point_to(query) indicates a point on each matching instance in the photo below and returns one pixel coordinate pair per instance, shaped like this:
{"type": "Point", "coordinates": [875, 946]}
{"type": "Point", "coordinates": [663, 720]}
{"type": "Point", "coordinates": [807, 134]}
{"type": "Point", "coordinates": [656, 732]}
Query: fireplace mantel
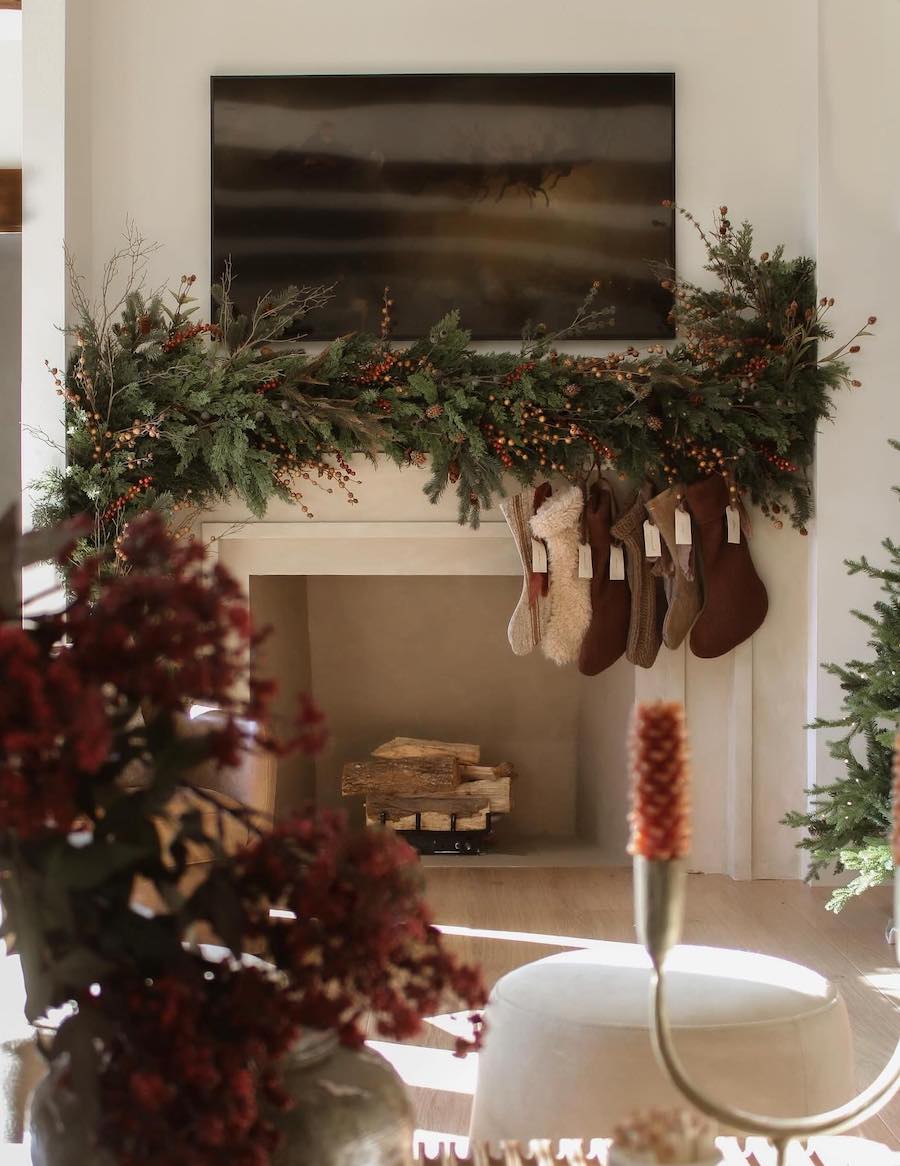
{"type": "Point", "coordinates": [362, 548]}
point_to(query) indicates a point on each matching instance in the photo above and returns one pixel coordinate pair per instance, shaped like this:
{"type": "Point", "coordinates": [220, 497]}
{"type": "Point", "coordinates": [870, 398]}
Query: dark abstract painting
{"type": "Point", "coordinates": [503, 195]}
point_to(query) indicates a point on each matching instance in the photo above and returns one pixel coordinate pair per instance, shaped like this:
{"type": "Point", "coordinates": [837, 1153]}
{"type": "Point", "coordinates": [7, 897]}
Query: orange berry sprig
{"type": "Point", "coordinates": [660, 809]}
{"type": "Point", "coordinates": [188, 333]}
{"type": "Point", "coordinates": [130, 494]}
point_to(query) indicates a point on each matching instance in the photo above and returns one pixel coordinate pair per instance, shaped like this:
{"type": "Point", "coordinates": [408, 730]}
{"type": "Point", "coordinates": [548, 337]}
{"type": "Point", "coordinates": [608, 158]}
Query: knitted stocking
{"type": "Point", "coordinates": [558, 523]}
{"type": "Point", "coordinates": [607, 634]}
{"type": "Point", "coordinates": [736, 599]}
{"type": "Point", "coordinates": [648, 601]}
{"type": "Point", "coordinates": [526, 625]}
{"type": "Point", "coordinates": [682, 584]}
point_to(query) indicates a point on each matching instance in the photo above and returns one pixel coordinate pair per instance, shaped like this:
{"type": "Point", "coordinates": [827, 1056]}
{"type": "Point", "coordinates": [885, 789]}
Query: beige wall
{"type": "Point", "coordinates": [278, 603]}
{"type": "Point", "coordinates": [10, 365]}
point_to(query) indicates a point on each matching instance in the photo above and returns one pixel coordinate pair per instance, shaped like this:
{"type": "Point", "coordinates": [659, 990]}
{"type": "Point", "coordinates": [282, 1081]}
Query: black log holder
{"type": "Point", "coordinates": [450, 841]}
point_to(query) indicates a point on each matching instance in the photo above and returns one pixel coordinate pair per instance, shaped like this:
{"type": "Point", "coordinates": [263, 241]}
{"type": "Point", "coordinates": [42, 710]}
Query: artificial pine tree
{"type": "Point", "coordinates": [848, 823]}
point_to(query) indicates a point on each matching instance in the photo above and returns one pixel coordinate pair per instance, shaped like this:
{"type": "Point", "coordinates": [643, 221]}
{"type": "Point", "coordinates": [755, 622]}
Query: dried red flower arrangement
{"type": "Point", "coordinates": [179, 1052]}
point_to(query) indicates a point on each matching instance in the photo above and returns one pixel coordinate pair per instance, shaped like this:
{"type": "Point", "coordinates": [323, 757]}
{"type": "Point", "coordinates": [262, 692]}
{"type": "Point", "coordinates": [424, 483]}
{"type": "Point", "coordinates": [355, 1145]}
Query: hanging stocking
{"type": "Point", "coordinates": [526, 625]}
{"type": "Point", "coordinates": [558, 523]}
{"type": "Point", "coordinates": [607, 635]}
{"type": "Point", "coordinates": [682, 585]}
{"type": "Point", "coordinates": [736, 599]}
{"type": "Point", "coordinates": [648, 601]}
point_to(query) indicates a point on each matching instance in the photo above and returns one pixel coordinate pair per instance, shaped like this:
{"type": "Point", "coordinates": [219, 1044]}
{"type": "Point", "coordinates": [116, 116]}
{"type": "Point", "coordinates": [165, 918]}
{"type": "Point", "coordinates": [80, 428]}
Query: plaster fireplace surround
{"type": "Point", "coordinates": [394, 617]}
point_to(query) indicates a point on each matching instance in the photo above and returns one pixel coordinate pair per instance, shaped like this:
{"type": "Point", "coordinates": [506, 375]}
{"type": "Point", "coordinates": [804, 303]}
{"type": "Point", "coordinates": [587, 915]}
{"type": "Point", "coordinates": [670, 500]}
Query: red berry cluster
{"type": "Point", "coordinates": [266, 386]}
{"type": "Point", "coordinates": [130, 494]}
{"type": "Point", "coordinates": [779, 462]}
{"type": "Point", "coordinates": [756, 367]}
{"type": "Point", "coordinates": [384, 405]}
{"type": "Point", "coordinates": [498, 443]}
{"type": "Point", "coordinates": [377, 372]}
{"type": "Point", "coordinates": [184, 334]}
{"type": "Point", "coordinates": [513, 378]}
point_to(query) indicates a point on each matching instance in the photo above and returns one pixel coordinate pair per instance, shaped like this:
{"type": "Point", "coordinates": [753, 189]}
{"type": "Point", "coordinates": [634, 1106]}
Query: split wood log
{"type": "Point", "coordinates": [397, 747]}
{"type": "Point", "coordinates": [430, 813]}
{"type": "Point", "coordinates": [486, 772]}
{"type": "Point", "coordinates": [495, 794]}
{"type": "Point", "coordinates": [388, 776]}
{"type": "Point", "coordinates": [497, 790]}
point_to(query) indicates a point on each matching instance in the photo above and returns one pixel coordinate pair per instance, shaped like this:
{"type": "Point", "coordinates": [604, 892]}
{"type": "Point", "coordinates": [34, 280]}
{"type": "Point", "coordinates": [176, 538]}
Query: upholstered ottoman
{"type": "Point", "coordinates": [567, 1051]}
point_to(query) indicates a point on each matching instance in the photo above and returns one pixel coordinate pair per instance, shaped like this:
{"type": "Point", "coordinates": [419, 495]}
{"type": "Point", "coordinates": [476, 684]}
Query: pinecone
{"type": "Point", "coordinates": [654, 423]}
{"type": "Point", "coordinates": [453, 473]}
{"type": "Point", "coordinates": [434, 411]}
{"type": "Point", "coordinates": [572, 390]}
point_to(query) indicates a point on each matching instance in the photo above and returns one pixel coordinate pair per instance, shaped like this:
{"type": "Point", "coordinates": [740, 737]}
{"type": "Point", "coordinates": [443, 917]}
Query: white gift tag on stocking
{"type": "Point", "coordinates": [682, 528]}
{"type": "Point", "coordinates": [733, 524]}
{"type": "Point", "coordinates": [652, 543]}
{"type": "Point", "coordinates": [616, 562]}
{"type": "Point", "coordinates": [585, 562]}
{"type": "Point", "coordinates": [538, 557]}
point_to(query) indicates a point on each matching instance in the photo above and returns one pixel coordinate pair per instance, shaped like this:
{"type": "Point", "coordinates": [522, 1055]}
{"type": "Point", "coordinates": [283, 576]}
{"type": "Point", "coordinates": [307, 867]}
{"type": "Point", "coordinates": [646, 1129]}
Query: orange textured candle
{"type": "Point", "coordinates": [661, 807]}
{"type": "Point", "coordinates": [895, 820]}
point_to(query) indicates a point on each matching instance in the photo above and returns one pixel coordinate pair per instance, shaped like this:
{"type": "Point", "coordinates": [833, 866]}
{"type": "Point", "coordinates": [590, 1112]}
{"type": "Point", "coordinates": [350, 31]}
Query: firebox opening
{"type": "Point", "coordinates": [427, 656]}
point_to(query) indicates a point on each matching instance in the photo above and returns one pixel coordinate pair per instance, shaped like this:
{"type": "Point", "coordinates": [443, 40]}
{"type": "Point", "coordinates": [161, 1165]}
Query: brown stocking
{"type": "Point", "coordinates": [682, 584]}
{"type": "Point", "coordinates": [607, 634]}
{"type": "Point", "coordinates": [736, 600]}
{"type": "Point", "coordinates": [648, 603]}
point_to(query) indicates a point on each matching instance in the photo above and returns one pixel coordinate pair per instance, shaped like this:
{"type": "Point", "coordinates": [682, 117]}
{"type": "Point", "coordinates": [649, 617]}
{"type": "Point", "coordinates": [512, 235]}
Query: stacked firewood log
{"type": "Point", "coordinates": [411, 784]}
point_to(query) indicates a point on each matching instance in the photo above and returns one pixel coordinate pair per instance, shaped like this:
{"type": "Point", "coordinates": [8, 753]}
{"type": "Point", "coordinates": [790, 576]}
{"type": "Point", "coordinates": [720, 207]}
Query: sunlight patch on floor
{"type": "Point", "coordinates": [423, 1068]}
{"type": "Point", "coordinates": [519, 936]}
{"type": "Point", "coordinates": [886, 980]}
{"type": "Point", "coordinates": [457, 1024]}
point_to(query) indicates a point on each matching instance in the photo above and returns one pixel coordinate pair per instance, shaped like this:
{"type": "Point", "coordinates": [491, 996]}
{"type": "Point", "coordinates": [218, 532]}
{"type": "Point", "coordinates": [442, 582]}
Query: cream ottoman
{"type": "Point", "coordinates": [567, 1051]}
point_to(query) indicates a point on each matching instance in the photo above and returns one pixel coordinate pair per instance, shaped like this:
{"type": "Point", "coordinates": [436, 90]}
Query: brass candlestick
{"type": "Point", "coordinates": [659, 891]}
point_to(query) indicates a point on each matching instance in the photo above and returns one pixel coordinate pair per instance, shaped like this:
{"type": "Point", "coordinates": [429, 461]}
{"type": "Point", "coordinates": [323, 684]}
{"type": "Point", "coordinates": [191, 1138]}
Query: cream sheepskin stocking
{"type": "Point", "coordinates": [558, 523]}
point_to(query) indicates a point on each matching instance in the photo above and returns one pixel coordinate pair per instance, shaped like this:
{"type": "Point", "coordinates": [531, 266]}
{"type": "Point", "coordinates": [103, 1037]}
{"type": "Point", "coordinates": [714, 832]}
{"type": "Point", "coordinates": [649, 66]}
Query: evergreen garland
{"type": "Point", "coordinates": [848, 823]}
{"type": "Point", "coordinates": [165, 412]}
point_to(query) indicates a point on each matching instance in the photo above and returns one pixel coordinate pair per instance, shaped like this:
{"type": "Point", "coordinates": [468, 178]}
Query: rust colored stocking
{"type": "Point", "coordinates": [735, 597]}
{"type": "Point", "coordinates": [607, 634]}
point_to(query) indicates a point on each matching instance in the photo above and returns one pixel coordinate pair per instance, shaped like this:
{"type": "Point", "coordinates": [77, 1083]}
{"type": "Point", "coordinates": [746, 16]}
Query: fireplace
{"type": "Point", "coordinates": [395, 617]}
